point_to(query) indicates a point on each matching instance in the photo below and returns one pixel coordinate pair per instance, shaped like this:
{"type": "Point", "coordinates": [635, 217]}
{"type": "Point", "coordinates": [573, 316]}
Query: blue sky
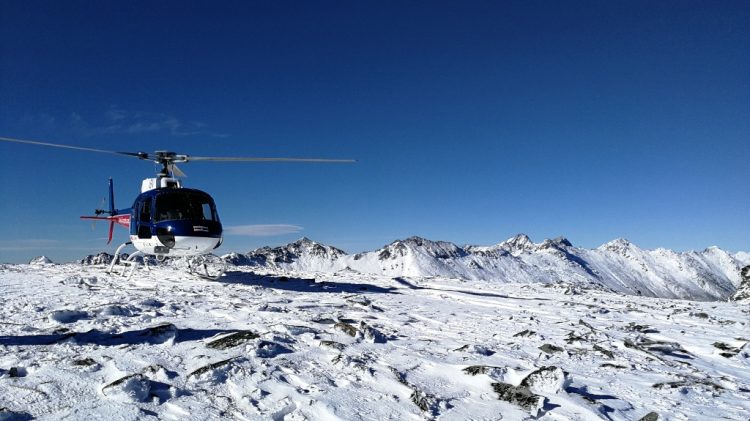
{"type": "Point", "coordinates": [472, 121]}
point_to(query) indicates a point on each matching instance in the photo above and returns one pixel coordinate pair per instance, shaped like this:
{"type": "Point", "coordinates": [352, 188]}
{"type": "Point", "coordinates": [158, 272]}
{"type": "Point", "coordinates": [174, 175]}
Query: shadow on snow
{"type": "Point", "coordinates": [287, 283]}
{"type": "Point", "coordinates": [152, 335]}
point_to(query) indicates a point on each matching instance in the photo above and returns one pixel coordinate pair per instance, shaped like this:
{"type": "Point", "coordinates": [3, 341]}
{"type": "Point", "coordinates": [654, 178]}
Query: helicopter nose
{"type": "Point", "coordinates": [166, 237]}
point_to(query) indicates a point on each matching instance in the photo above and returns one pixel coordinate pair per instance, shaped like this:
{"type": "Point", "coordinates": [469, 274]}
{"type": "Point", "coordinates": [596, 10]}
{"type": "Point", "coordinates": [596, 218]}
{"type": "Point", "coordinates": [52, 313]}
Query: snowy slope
{"type": "Point", "coordinates": [77, 343]}
{"type": "Point", "coordinates": [618, 265]}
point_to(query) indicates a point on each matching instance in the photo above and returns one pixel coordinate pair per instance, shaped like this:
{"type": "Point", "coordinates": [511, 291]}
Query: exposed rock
{"type": "Point", "coordinates": [634, 327]}
{"type": "Point", "coordinates": [524, 333]}
{"type": "Point", "coordinates": [604, 351]}
{"type": "Point", "coordinates": [371, 334]}
{"type": "Point", "coordinates": [15, 372]}
{"type": "Point", "coordinates": [519, 395]}
{"type": "Point", "coordinates": [613, 365]}
{"type": "Point", "coordinates": [207, 368]}
{"type": "Point", "coordinates": [476, 349]}
{"type": "Point", "coordinates": [729, 351]}
{"type": "Point", "coordinates": [651, 416]}
{"type": "Point", "coordinates": [551, 349]}
{"type": "Point", "coordinates": [494, 372]}
{"type": "Point", "coordinates": [424, 401]}
{"type": "Point", "coordinates": [133, 388]}
{"type": "Point", "coordinates": [651, 346]}
{"type": "Point", "coordinates": [346, 328]}
{"type": "Point", "coordinates": [97, 259]}
{"type": "Point", "coordinates": [555, 243]}
{"type": "Point", "coordinates": [333, 344]}
{"type": "Point", "coordinates": [232, 340]}
{"type": "Point", "coordinates": [743, 291]}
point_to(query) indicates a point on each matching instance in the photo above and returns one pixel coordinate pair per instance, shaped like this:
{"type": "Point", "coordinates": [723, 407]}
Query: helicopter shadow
{"type": "Point", "coordinates": [152, 335]}
{"type": "Point", "coordinates": [287, 283]}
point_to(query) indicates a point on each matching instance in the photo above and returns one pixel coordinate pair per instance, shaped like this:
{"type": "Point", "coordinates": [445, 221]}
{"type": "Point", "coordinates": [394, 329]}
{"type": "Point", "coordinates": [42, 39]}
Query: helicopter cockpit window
{"type": "Point", "coordinates": [184, 205]}
{"type": "Point", "coordinates": [146, 210]}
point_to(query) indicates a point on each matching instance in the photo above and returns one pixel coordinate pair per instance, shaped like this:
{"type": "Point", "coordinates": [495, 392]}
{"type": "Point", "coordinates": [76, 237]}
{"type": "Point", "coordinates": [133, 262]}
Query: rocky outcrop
{"type": "Point", "coordinates": [97, 259]}
{"type": "Point", "coordinates": [743, 292]}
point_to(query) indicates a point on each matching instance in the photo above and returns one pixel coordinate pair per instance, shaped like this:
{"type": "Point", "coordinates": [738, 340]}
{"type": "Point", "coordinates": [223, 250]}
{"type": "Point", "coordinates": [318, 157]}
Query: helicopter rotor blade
{"type": "Point", "coordinates": [257, 159]}
{"type": "Point", "coordinates": [79, 148]}
{"type": "Point", "coordinates": [165, 157]}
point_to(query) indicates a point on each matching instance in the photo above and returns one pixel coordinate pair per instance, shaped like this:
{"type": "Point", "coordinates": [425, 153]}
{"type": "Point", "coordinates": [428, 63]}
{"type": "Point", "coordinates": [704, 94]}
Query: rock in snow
{"type": "Point", "coordinates": [97, 259]}
{"type": "Point", "coordinates": [618, 265]}
{"type": "Point", "coordinates": [743, 292]}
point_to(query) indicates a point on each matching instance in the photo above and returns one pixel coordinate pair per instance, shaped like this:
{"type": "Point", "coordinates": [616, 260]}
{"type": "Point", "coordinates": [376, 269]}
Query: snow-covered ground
{"type": "Point", "coordinates": [77, 343]}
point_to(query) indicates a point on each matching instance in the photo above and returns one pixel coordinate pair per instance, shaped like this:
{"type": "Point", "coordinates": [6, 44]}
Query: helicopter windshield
{"type": "Point", "coordinates": [185, 205]}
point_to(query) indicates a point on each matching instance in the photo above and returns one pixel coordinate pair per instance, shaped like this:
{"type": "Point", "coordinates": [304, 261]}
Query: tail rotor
{"type": "Point", "coordinates": [111, 212]}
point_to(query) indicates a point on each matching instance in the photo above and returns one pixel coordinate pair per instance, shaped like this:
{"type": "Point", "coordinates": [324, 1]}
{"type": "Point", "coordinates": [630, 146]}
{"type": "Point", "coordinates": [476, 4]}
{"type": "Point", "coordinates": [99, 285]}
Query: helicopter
{"type": "Point", "coordinates": [166, 218]}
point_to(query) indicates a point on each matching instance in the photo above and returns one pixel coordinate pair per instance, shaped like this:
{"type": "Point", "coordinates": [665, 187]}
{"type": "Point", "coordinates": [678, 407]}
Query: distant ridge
{"type": "Point", "coordinates": [619, 265]}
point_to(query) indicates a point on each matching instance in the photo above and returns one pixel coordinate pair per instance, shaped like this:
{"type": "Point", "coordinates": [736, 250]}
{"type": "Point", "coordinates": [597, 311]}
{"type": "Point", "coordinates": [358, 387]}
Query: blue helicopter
{"type": "Point", "coordinates": [167, 219]}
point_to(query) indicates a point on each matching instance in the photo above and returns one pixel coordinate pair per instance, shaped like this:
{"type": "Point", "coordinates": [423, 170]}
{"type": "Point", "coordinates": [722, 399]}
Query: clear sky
{"type": "Point", "coordinates": [472, 120]}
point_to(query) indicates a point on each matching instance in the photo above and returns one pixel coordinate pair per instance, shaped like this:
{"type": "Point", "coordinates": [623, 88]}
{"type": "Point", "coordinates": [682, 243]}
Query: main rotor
{"type": "Point", "coordinates": [168, 160]}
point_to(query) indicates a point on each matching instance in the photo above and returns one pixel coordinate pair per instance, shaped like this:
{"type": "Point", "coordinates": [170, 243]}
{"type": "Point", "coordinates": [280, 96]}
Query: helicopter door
{"type": "Point", "coordinates": [144, 219]}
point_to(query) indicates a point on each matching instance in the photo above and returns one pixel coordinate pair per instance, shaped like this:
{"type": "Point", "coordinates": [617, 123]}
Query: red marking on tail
{"type": "Point", "coordinates": [123, 220]}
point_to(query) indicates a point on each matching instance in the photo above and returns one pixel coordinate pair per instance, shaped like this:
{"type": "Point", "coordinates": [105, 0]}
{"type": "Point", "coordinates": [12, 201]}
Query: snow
{"type": "Point", "coordinates": [278, 344]}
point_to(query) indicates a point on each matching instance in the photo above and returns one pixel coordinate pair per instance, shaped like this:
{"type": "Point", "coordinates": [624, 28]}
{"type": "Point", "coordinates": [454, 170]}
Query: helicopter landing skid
{"type": "Point", "coordinates": [130, 263]}
{"type": "Point", "coordinates": [199, 266]}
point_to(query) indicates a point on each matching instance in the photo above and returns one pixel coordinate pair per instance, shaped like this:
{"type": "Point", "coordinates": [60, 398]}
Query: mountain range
{"type": "Point", "coordinates": [619, 265]}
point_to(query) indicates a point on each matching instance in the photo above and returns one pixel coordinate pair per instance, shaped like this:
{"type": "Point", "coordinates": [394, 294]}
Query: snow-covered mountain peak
{"type": "Point", "coordinates": [304, 240]}
{"type": "Point", "coordinates": [41, 260]}
{"type": "Point", "coordinates": [304, 252]}
{"type": "Point", "coordinates": [618, 245]}
{"type": "Point", "coordinates": [557, 243]}
{"type": "Point", "coordinates": [715, 250]}
{"type": "Point", "coordinates": [421, 246]}
{"type": "Point", "coordinates": [517, 244]}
